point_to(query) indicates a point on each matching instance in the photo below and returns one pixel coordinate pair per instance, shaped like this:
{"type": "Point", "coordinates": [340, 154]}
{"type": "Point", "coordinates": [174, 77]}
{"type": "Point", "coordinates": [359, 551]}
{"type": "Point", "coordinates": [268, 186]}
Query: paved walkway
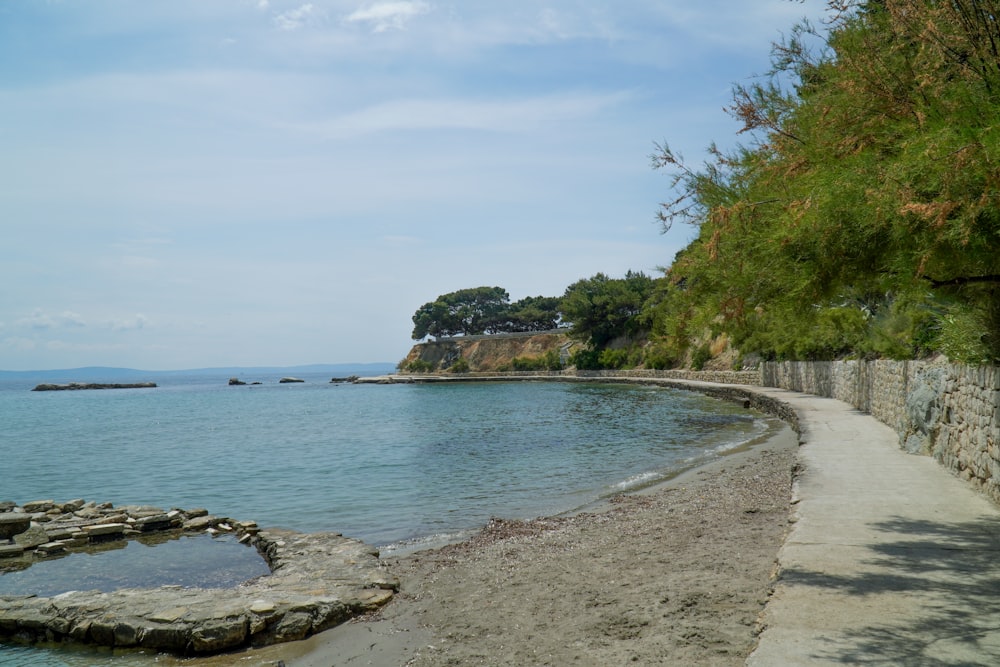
{"type": "Point", "coordinates": [892, 560]}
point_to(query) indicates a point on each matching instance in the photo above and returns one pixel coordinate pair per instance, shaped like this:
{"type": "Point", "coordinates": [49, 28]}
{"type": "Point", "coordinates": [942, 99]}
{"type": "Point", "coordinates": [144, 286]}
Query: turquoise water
{"type": "Point", "coordinates": [389, 464]}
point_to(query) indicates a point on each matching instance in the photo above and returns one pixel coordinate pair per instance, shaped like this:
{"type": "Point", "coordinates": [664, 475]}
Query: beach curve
{"type": "Point", "coordinates": [676, 574]}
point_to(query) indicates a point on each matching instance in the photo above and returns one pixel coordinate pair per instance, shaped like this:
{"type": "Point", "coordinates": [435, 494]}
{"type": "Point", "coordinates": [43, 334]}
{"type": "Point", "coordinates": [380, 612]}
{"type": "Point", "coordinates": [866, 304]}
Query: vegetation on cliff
{"type": "Point", "coordinates": [602, 316]}
{"type": "Point", "coordinates": [860, 218]}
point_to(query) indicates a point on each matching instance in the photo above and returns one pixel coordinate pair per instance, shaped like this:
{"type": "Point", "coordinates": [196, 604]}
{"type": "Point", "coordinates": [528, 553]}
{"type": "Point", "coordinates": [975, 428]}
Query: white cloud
{"type": "Point", "coordinates": [19, 344]}
{"type": "Point", "coordinates": [494, 116]}
{"type": "Point", "coordinates": [401, 241]}
{"type": "Point", "coordinates": [383, 16]}
{"type": "Point", "coordinates": [130, 324]}
{"type": "Point", "coordinates": [294, 19]}
{"type": "Point", "coordinates": [551, 22]}
{"type": "Point", "coordinates": [39, 319]}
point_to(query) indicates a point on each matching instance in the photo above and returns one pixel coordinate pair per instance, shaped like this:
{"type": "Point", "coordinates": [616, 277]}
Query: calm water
{"type": "Point", "coordinates": [389, 464]}
{"type": "Point", "coordinates": [197, 561]}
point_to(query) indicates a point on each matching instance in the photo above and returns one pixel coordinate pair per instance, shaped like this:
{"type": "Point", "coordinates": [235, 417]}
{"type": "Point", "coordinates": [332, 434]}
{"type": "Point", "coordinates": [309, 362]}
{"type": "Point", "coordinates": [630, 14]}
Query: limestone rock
{"type": "Point", "coordinates": [39, 506]}
{"type": "Point", "coordinates": [34, 536]}
{"type": "Point", "coordinates": [262, 607]}
{"type": "Point", "coordinates": [200, 523]}
{"type": "Point", "coordinates": [11, 550]}
{"type": "Point", "coordinates": [105, 529]}
{"type": "Point", "coordinates": [156, 522]}
{"type": "Point", "coordinates": [13, 523]}
{"type": "Point", "coordinates": [219, 634]}
{"type": "Point", "coordinates": [317, 581]}
{"type": "Point", "coordinates": [73, 386]}
{"type": "Point", "coordinates": [923, 411]}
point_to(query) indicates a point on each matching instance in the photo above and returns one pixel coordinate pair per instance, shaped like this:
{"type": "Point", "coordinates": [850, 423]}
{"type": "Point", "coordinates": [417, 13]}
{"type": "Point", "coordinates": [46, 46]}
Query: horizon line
{"type": "Point", "coordinates": [200, 368]}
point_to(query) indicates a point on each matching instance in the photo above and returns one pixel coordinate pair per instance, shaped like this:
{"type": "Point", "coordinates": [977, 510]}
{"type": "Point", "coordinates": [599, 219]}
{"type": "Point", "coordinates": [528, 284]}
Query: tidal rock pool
{"type": "Point", "coordinates": [196, 561]}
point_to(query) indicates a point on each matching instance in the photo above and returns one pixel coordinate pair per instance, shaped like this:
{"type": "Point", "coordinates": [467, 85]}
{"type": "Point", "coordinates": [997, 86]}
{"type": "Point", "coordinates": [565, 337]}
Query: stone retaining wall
{"type": "Point", "coordinates": [948, 411]}
{"type": "Point", "coordinates": [725, 377]}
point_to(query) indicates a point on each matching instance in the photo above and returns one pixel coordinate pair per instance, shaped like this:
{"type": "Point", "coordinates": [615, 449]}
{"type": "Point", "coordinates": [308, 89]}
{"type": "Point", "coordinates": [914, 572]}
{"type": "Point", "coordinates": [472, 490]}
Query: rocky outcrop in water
{"type": "Point", "coordinates": [317, 581]}
{"type": "Point", "coordinates": [73, 386]}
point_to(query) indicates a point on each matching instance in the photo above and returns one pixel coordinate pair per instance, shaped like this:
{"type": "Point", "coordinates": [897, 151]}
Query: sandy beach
{"type": "Point", "coordinates": [677, 574]}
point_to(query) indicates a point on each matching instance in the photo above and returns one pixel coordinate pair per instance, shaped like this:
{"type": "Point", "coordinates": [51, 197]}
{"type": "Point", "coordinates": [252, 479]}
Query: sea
{"type": "Point", "coordinates": [399, 466]}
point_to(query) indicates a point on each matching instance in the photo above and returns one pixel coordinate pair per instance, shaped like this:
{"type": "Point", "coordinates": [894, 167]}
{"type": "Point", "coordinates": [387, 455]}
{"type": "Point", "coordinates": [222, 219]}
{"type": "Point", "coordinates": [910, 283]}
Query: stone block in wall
{"type": "Point", "coordinates": [923, 411]}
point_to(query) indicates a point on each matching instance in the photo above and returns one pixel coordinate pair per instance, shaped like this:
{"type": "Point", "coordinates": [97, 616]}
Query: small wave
{"type": "Point", "coordinates": [414, 544]}
{"type": "Point", "coordinates": [761, 428]}
{"type": "Point", "coordinates": [638, 481]}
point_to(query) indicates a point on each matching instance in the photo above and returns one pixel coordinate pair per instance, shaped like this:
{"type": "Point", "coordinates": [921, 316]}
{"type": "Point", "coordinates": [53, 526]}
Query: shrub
{"type": "Point", "coordinates": [700, 356]}
{"type": "Point", "coordinates": [586, 360]}
{"type": "Point", "coordinates": [962, 336]}
{"type": "Point", "coordinates": [613, 359]}
{"type": "Point", "coordinates": [419, 366]}
{"type": "Point", "coordinates": [524, 364]}
{"type": "Point", "coordinates": [659, 357]}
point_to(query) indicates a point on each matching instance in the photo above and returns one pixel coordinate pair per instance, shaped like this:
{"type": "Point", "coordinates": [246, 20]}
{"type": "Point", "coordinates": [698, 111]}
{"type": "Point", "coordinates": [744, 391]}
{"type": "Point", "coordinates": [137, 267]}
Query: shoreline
{"type": "Point", "coordinates": [773, 427]}
{"type": "Point", "coordinates": [676, 573]}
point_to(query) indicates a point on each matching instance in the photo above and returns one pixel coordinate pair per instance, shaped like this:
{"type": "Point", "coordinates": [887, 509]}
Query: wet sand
{"type": "Point", "coordinates": [677, 574]}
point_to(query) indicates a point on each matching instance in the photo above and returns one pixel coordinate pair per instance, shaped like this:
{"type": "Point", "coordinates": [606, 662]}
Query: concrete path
{"type": "Point", "coordinates": [891, 560]}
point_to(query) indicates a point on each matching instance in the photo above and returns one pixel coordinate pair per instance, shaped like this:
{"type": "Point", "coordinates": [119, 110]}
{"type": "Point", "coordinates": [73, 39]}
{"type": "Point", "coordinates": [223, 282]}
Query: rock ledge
{"type": "Point", "coordinates": [77, 386]}
{"type": "Point", "coordinates": [317, 581]}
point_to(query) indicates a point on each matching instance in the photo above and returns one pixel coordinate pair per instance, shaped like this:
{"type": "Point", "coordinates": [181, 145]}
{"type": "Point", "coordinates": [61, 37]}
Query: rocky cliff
{"type": "Point", "coordinates": [487, 353]}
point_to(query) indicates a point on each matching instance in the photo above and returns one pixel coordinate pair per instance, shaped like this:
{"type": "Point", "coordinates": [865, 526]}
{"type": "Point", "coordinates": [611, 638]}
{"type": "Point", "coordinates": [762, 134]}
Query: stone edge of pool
{"type": "Point", "coordinates": [317, 581]}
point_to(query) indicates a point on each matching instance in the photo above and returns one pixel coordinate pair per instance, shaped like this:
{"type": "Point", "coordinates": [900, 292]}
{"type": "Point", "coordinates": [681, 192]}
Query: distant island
{"type": "Point", "coordinates": [73, 386]}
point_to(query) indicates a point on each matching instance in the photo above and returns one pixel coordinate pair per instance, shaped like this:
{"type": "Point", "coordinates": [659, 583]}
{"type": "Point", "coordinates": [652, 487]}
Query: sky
{"type": "Point", "coordinates": [201, 183]}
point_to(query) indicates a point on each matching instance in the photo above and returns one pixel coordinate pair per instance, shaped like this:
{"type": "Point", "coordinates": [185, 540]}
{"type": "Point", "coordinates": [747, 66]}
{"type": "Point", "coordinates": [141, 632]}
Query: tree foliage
{"type": "Point", "coordinates": [862, 216]}
{"type": "Point", "coordinates": [602, 309]}
{"type": "Point", "coordinates": [484, 310]}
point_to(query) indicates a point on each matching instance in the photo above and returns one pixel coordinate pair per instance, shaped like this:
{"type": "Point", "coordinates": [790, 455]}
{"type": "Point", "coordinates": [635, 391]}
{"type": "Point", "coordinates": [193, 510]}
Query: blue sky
{"type": "Point", "coordinates": [259, 182]}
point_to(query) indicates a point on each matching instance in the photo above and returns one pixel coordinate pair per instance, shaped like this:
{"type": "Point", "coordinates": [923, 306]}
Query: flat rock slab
{"type": "Point", "coordinates": [10, 550]}
{"type": "Point", "coordinates": [105, 529]}
{"type": "Point", "coordinates": [317, 581]}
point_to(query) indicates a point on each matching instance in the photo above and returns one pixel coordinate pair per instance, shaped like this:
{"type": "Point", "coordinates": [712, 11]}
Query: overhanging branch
{"type": "Point", "coordinates": [965, 280]}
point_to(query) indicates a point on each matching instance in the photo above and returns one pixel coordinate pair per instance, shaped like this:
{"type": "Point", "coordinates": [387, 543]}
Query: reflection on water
{"type": "Point", "coordinates": [197, 561]}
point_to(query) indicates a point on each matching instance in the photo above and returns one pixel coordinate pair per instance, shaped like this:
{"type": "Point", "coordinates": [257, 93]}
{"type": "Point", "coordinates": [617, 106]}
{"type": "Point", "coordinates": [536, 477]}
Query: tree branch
{"type": "Point", "coordinates": [965, 280]}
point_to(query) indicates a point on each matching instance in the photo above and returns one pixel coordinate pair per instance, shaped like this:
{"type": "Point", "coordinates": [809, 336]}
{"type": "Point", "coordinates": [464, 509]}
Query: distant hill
{"type": "Point", "coordinates": [97, 373]}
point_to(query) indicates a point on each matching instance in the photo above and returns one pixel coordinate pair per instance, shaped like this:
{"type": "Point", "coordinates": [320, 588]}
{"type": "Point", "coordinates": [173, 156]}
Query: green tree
{"type": "Point", "coordinates": [602, 309]}
{"type": "Point", "coordinates": [467, 312]}
{"type": "Point", "coordinates": [533, 313]}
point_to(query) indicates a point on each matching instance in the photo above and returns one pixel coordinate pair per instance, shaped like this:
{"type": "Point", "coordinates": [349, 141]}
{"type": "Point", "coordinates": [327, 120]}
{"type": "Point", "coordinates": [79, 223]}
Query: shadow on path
{"type": "Point", "coordinates": [939, 584]}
